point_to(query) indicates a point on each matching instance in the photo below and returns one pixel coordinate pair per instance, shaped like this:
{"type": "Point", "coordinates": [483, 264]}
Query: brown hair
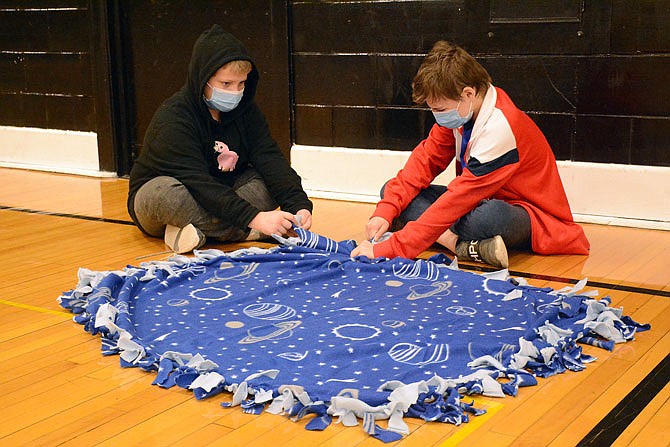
{"type": "Point", "coordinates": [446, 70]}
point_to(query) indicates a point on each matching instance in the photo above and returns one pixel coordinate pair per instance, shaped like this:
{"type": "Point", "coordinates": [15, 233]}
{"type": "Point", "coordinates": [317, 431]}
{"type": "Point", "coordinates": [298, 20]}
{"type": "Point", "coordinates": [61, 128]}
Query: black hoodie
{"type": "Point", "coordinates": [179, 141]}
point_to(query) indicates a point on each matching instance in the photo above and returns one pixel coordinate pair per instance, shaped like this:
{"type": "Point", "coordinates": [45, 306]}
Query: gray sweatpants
{"type": "Point", "coordinates": [166, 201]}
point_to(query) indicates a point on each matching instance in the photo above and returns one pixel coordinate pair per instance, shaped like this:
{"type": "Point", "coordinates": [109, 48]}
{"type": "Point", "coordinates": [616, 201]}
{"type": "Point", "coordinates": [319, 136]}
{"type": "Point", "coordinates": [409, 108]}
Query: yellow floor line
{"type": "Point", "coordinates": [475, 422]}
{"type": "Point", "coordinates": [36, 309]}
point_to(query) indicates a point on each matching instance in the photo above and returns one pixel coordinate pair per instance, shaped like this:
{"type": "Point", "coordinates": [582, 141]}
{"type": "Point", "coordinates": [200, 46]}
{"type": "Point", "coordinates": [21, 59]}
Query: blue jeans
{"type": "Point", "coordinates": [166, 201]}
{"type": "Point", "coordinates": [491, 217]}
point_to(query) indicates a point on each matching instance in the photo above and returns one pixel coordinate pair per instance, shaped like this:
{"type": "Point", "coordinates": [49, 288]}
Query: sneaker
{"type": "Point", "coordinates": [255, 235]}
{"type": "Point", "coordinates": [490, 251]}
{"type": "Point", "coordinates": [184, 240]}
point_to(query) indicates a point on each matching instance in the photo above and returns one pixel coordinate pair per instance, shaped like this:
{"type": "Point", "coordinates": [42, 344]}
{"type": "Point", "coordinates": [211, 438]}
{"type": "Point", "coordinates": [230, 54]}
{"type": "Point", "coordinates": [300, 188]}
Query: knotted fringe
{"type": "Point", "coordinates": [545, 350]}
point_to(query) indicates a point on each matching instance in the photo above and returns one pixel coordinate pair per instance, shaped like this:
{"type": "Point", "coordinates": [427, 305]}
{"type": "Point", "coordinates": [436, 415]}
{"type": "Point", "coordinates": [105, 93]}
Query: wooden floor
{"type": "Point", "coordinates": [57, 389]}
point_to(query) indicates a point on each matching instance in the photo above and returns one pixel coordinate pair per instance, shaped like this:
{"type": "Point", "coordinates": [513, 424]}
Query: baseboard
{"type": "Point", "coordinates": [622, 195]}
{"type": "Point", "coordinates": [611, 194]}
{"type": "Point", "coordinates": [52, 150]}
{"type": "Point", "coordinates": [355, 175]}
{"type": "Point", "coordinates": [622, 222]}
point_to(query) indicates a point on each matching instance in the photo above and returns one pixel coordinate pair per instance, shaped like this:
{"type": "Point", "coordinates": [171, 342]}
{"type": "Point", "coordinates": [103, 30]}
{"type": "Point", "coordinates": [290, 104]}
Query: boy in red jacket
{"type": "Point", "coordinates": [507, 192]}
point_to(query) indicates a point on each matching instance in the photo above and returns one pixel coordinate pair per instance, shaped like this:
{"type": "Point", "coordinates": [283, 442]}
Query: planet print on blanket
{"type": "Point", "coordinates": [267, 311]}
{"type": "Point", "coordinates": [420, 291]}
{"type": "Point", "coordinates": [302, 329]}
{"type": "Point", "coordinates": [278, 332]}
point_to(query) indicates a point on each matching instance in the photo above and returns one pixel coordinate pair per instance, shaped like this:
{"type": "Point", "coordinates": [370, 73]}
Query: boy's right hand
{"type": "Point", "coordinates": [273, 222]}
{"type": "Point", "coordinates": [376, 227]}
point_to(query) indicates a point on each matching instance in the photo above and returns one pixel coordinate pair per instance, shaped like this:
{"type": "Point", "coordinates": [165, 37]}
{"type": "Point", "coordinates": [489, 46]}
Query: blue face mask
{"type": "Point", "coordinates": [223, 100]}
{"type": "Point", "coordinates": [451, 118]}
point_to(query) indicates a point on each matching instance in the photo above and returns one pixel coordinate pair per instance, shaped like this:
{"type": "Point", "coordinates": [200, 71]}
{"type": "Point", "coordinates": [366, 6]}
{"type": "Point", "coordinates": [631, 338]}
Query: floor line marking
{"type": "Point", "coordinates": [36, 309]}
{"type": "Point", "coordinates": [475, 422]}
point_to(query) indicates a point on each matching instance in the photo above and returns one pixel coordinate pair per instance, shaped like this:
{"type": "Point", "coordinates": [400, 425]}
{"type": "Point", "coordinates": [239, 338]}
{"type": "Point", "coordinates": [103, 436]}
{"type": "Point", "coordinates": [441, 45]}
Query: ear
{"type": "Point", "coordinates": [469, 92]}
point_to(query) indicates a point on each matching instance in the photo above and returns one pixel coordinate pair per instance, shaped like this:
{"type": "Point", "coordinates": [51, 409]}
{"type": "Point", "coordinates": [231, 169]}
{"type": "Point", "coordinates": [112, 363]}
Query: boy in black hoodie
{"type": "Point", "coordinates": [209, 166]}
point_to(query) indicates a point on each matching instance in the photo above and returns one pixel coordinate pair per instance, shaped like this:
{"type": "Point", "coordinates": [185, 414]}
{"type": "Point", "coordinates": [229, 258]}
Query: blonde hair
{"type": "Point", "coordinates": [239, 66]}
{"type": "Point", "coordinates": [445, 71]}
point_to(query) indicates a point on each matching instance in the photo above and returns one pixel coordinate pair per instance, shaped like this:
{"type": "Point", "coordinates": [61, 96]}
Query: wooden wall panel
{"type": "Point", "coordinates": [45, 65]}
{"type": "Point", "coordinates": [590, 73]}
{"type": "Point", "coordinates": [338, 73]}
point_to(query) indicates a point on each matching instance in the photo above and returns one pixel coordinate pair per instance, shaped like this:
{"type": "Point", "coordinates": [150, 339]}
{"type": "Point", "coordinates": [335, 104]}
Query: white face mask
{"type": "Point", "coordinates": [451, 118]}
{"type": "Point", "coordinates": [223, 100]}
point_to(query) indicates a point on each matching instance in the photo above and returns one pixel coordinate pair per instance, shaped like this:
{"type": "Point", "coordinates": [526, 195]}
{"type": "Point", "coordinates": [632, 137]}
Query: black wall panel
{"type": "Point", "coordinates": [624, 85]}
{"type": "Point", "coordinates": [97, 65]}
{"type": "Point", "coordinates": [399, 128]}
{"type": "Point", "coordinates": [558, 11]}
{"type": "Point", "coordinates": [334, 79]}
{"type": "Point", "coordinates": [572, 27]}
{"type": "Point", "coordinates": [651, 140]}
{"type": "Point", "coordinates": [560, 131]}
{"type": "Point", "coordinates": [536, 83]}
{"type": "Point", "coordinates": [60, 27]}
{"type": "Point", "coordinates": [45, 65]}
{"type": "Point", "coordinates": [353, 127]}
{"type": "Point", "coordinates": [316, 124]}
{"type": "Point", "coordinates": [641, 26]}
{"type": "Point", "coordinates": [160, 35]}
{"type": "Point", "coordinates": [343, 27]}
{"type": "Point", "coordinates": [603, 139]}
{"type": "Point", "coordinates": [393, 80]}
{"type": "Point", "coordinates": [591, 73]}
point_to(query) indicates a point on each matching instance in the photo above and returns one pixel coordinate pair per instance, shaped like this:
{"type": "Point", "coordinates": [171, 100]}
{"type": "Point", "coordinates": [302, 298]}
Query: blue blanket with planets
{"type": "Point", "coordinates": [303, 329]}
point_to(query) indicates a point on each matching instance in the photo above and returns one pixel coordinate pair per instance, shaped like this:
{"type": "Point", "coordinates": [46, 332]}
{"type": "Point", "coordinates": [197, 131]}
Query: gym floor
{"type": "Point", "coordinates": [57, 389]}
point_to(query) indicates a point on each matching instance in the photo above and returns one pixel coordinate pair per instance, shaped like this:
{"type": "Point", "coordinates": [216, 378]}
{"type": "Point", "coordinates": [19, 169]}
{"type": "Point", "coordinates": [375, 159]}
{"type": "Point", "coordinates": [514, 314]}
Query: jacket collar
{"type": "Point", "coordinates": [485, 111]}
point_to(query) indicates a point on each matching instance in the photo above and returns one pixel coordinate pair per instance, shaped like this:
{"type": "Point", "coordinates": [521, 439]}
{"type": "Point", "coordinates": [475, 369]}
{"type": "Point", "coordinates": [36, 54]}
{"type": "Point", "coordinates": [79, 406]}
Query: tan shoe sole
{"type": "Point", "coordinates": [182, 240]}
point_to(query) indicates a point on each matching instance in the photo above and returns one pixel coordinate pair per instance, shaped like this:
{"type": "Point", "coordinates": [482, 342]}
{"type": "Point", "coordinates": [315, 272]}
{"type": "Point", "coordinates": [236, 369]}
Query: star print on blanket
{"type": "Point", "coordinates": [304, 329]}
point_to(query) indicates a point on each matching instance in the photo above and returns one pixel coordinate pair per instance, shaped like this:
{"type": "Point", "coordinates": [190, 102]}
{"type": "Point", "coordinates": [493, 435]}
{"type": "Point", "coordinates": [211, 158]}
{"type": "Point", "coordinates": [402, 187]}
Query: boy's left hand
{"type": "Point", "coordinates": [363, 249]}
{"type": "Point", "coordinates": [305, 219]}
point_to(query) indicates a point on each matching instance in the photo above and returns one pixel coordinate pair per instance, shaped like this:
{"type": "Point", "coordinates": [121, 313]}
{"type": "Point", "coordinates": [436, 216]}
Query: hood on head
{"type": "Point", "coordinates": [213, 49]}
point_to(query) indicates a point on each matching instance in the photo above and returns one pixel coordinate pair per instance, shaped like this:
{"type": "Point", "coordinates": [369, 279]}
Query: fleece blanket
{"type": "Point", "coordinates": [303, 329]}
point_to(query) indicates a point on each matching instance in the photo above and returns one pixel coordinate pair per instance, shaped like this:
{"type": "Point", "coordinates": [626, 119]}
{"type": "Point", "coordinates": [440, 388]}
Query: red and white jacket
{"type": "Point", "coordinates": [507, 158]}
